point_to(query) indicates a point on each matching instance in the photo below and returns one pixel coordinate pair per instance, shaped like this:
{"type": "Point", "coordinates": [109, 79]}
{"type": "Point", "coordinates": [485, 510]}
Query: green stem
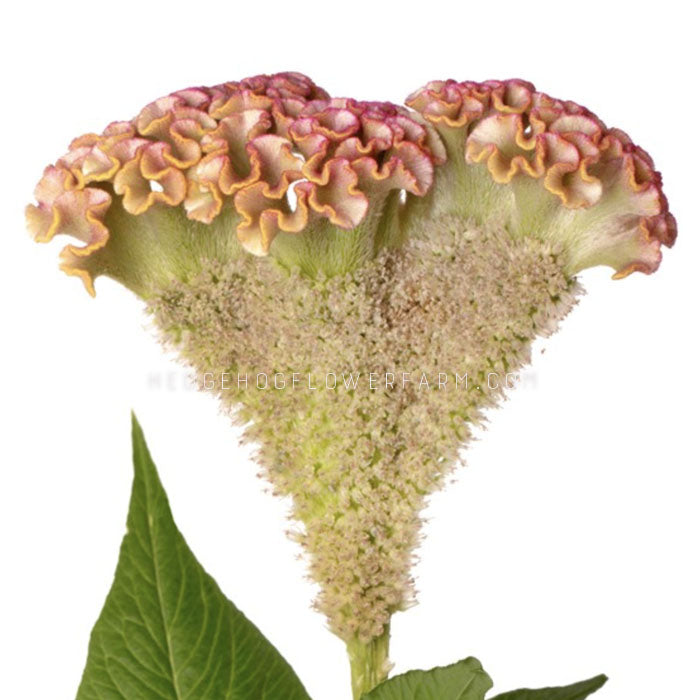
{"type": "Point", "coordinates": [369, 663]}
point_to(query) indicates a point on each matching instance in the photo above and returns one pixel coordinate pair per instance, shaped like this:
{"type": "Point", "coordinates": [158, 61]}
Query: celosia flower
{"type": "Point", "coordinates": [396, 252]}
{"type": "Point", "coordinates": [571, 179]}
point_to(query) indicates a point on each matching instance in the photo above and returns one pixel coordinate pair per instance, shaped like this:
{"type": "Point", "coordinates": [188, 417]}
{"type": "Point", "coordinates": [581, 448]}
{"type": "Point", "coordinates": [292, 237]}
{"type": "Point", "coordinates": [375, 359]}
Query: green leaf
{"type": "Point", "coordinates": [577, 691]}
{"type": "Point", "coordinates": [465, 680]}
{"type": "Point", "coordinates": [166, 629]}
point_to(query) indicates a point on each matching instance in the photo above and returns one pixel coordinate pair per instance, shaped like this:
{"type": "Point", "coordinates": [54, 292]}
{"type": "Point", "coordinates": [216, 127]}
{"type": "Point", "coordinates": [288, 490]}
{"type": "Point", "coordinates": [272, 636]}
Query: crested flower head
{"type": "Point", "coordinates": [552, 169]}
{"type": "Point", "coordinates": [194, 149]}
{"type": "Point", "coordinates": [403, 260]}
{"type": "Point", "coordinates": [265, 155]}
{"type": "Point", "coordinates": [273, 155]}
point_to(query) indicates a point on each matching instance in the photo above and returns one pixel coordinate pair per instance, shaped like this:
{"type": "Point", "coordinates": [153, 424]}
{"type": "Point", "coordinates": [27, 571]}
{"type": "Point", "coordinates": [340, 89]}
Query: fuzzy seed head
{"type": "Point", "coordinates": [360, 461]}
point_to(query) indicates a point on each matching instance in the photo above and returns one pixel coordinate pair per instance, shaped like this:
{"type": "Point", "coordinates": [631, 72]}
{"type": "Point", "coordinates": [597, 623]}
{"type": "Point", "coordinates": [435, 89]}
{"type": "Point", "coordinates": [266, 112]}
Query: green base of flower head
{"type": "Point", "coordinates": [146, 253]}
{"type": "Point", "coordinates": [324, 250]}
{"type": "Point", "coordinates": [584, 238]}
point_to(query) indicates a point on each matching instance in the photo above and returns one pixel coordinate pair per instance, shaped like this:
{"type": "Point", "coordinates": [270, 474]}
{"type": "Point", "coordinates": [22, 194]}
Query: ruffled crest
{"type": "Point", "coordinates": [242, 145]}
{"type": "Point", "coordinates": [520, 134]}
{"type": "Point", "coordinates": [280, 155]}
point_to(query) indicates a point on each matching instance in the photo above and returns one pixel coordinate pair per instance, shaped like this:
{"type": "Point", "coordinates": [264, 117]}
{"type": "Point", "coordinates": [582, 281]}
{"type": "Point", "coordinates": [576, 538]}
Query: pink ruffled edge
{"type": "Point", "coordinates": [274, 147]}
{"type": "Point", "coordinates": [282, 153]}
{"type": "Point", "coordinates": [515, 131]}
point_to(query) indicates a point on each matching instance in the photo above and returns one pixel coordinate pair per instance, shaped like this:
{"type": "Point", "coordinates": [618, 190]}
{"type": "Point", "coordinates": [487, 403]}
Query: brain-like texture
{"type": "Point", "coordinates": [244, 145]}
{"type": "Point", "coordinates": [517, 132]}
{"type": "Point", "coordinates": [284, 156]}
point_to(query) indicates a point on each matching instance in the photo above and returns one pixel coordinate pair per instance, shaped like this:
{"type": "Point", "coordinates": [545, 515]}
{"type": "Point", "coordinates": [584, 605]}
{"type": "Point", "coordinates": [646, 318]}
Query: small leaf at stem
{"type": "Point", "coordinates": [577, 691]}
{"type": "Point", "coordinates": [465, 680]}
{"type": "Point", "coordinates": [166, 630]}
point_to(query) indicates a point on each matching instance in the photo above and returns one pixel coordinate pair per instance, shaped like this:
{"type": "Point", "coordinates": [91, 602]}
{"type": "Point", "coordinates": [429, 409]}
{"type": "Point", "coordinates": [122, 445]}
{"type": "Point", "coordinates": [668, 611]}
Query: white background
{"type": "Point", "coordinates": [568, 547]}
